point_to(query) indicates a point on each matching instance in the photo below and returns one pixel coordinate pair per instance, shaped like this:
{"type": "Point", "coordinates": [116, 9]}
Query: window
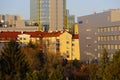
{"type": "Point", "coordinates": [67, 42]}
{"type": "Point", "coordinates": [95, 49]}
{"type": "Point", "coordinates": [38, 39]}
{"type": "Point", "coordinates": [24, 38]}
{"type": "Point", "coordinates": [67, 37]}
{"type": "Point", "coordinates": [112, 37]}
{"type": "Point", "coordinates": [112, 28]}
{"type": "Point", "coordinates": [119, 28]}
{"type": "Point", "coordinates": [104, 38]}
{"type": "Point", "coordinates": [88, 29]}
{"type": "Point", "coordinates": [95, 33]}
{"type": "Point", "coordinates": [73, 44]}
{"type": "Point", "coordinates": [108, 46]}
{"type": "Point", "coordinates": [105, 29]}
{"type": "Point", "coordinates": [73, 49]}
{"type": "Point", "coordinates": [116, 37]}
{"type": "Point", "coordinates": [102, 29]}
{"type": "Point", "coordinates": [108, 29]}
{"type": "Point", "coordinates": [119, 46]}
{"type": "Point", "coordinates": [73, 40]}
{"type": "Point", "coordinates": [119, 37]}
{"type": "Point", "coordinates": [115, 28]}
{"type": "Point", "coordinates": [108, 38]}
{"type": "Point", "coordinates": [99, 55]}
{"type": "Point", "coordinates": [99, 46]}
{"type": "Point", "coordinates": [116, 46]}
{"type": "Point", "coordinates": [99, 38]}
{"type": "Point", "coordinates": [98, 29]}
{"type": "Point", "coordinates": [102, 46]}
{"type": "Point", "coordinates": [68, 47]}
{"type": "Point", "coordinates": [112, 46]}
{"type": "Point", "coordinates": [67, 54]}
{"type": "Point", "coordinates": [88, 38]}
{"type": "Point", "coordinates": [95, 41]}
{"type": "Point", "coordinates": [20, 38]}
{"type": "Point", "coordinates": [89, 45]}
{"type": "Point", "coordinates": [105, 46]}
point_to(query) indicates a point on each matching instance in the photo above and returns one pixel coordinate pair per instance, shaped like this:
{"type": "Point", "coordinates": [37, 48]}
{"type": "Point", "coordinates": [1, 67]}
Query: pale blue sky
{"type": "Point", "coordinates": [76, 7]}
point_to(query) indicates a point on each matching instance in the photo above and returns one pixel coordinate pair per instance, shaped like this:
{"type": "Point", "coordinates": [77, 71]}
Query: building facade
{"type": "Point", "coordinates": [21, 29]}
{"type": "Point", "coordinates": [11, 21]}
{"type": "Point", "coordinates": [98, 31]}
{"type": "Point", "coordinates": [51, 13]}
{"type": "Point", "coordinates": [71, 22]}
{"type": "Point", "coordinates": [60, 43]}
{"type": "Point", "coordinates": [75, 47]}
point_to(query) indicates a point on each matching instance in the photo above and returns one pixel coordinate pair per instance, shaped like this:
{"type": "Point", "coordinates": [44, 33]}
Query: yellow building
{"type": "Point", "coordinates": [24, 38]}
{"type": "Point", "coordinates": [65, 41]}
{"type": "Point", "coordinates": [59, 43]}
{"type": "Point", "coordinates": [75, 28]}
{"type": "Point", "coordinates": [75, 47]}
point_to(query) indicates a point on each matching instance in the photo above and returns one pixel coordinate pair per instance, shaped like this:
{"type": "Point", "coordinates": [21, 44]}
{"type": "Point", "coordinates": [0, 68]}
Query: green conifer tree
{"type": "Point", "coordinates": [104, 62]}
{"type": "Point", "coordinates": [13, 62]}
{"type": "Point", "coordinates": [116, 65]}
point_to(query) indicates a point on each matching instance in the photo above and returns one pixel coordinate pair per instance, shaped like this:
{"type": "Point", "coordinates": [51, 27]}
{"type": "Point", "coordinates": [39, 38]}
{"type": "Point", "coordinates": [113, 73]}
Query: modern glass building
{"type": "Point", "coordinates": [50, 12]}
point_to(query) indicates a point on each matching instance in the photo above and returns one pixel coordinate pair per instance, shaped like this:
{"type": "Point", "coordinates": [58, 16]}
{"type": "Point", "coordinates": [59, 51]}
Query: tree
{"type": "Point", "coordinates": [52, 69]}
{"type": "Point", "coordinates": [116, 65]}
{"type": "Point", "coordinates": [33, 76]}
{"type": "Point", "coordinates": [13, 63]}
{"type": "Point", "coordinates": [111, 69]}
{"type": "Point", "coordinates": [57, 73]}
{"type": "Point", "coordinates": [41, 59]}
{"type": "Point", "coordinates": [104, 62]}
{"type": "Point", "coordinates": [75, 63]}
{"type": "Point", "coordinates": [92, 71]}
{"type": "Point", "coordinates": [31, 45]}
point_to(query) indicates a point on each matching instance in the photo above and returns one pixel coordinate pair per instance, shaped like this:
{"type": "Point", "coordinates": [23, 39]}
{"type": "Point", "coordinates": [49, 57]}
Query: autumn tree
{"type": "Point", "coordinates": [52, 69]}
{"type": "Point", "coordinates": [13, 62]}
{"type": "Point", "coordinates": [41, 59]}
{"type": "Point", "coordinates": [31, 45]}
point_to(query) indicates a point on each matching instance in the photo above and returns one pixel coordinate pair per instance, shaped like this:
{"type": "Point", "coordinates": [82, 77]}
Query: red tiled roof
{"type": "Point", "coordinates": [9, 35]}
{"type": "Point", "coordinates": [13, 35]}
{"type": "Point", "coordinates": [52, 34]}
{"type": "Point", "coordinates": [34, 34]}
{"type": "Point", "coordinates": [75, 36]}
{"type": "Point", "coordinates": [43, 34]}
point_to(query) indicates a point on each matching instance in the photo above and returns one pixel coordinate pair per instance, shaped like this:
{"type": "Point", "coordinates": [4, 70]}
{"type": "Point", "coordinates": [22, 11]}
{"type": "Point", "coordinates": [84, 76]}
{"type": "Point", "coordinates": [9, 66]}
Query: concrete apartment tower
{"type": "Point", "coordinates": [99, 31]}
{"type": "Point", "coordinates": [51, 13]}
